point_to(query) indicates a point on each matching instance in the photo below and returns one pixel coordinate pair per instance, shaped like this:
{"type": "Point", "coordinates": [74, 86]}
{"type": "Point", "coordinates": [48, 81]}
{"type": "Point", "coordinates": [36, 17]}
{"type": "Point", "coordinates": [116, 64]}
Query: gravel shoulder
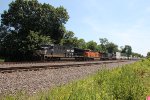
{"type": "Point", "coordinates": [35, 81]}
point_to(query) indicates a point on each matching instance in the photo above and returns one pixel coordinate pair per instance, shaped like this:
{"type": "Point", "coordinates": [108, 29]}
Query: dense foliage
{"type": "Point", "coordinates": [107, 46]}
{"type": "Point", "coordinates": [30, 24]}
{"type": "Point", "coordinates": [92, 45]}
{"type": "Point", "coordinates": [103, 43]}
{"type": "Point", "coordinates": [127, 50]}
{"type": "Point", "coordinates": [69, 39]}
{"type": "Point", "coordinates": [137, 55]}
{"type": "Point", "coordinates": [148, 54]}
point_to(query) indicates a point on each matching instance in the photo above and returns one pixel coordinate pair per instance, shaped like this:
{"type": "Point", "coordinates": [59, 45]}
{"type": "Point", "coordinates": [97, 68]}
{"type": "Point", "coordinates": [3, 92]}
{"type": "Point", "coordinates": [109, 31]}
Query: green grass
{"type": "Point", "coordinates": [130, 82]}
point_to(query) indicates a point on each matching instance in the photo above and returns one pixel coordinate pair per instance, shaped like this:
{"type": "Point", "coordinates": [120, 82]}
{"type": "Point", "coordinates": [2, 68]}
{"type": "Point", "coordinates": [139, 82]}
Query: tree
{"type": "Point", "coordinates": [34, 40]}
{"type": "Point", "coordinates": [81, 44]}
{"type": "Point", "coordinates": [99, 48]}
{"type": "Point", "coordinates": [68, 35]}
{"type": "Point", "coordinates": [127, 50]}
{"type": "Point", "coordinates": [4, 32]}
{"type": "Point", "coordinates": [26, 15]}
{"type": "Point", "coordinates": [75, 42]}
{"type": "Point", "coordinates": [91, 45]}
{"type": "Point", "coordinates": [69, 39]}
{"type": "Point", "coordinates": [15, 51]}
{"type": "Point", "coordinates": [29, 18]}
{"type": "Point", "coordinates": [111, 47]}
{"type": "Point", "coordinates": [107, 46]}
{"type": "Point", "coordinates": [136, 55]}
{"type": "Point", "coordinates": [103, 43]}
{"type": "Point", "coordinates": [148, 54]}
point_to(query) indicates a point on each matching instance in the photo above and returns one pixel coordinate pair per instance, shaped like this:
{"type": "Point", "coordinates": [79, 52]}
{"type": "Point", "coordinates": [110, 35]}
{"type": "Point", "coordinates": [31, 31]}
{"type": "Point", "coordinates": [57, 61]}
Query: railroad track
{"type": "Point", "coordinates": [41, 66]}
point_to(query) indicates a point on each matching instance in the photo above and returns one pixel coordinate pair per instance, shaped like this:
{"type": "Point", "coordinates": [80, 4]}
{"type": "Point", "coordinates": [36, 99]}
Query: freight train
{"type": "Point", "coordinates": [57, 52]}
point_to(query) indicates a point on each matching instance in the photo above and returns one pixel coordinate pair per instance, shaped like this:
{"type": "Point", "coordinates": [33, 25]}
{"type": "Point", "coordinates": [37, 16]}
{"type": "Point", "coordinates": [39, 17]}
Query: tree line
{"type": "Point", "coordinates": [104, 45]}
{"type": "Point", "coordinates": [27, 24]}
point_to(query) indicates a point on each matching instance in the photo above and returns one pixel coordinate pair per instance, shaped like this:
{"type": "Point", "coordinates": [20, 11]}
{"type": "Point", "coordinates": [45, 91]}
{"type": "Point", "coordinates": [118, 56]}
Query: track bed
{"type": "Point", "coordinates": [35, 81]}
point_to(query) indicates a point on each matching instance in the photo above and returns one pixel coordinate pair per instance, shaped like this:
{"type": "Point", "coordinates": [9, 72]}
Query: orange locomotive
{"type": "Point", "coordinates": [81, 54]}
{"type": "Point", "coordinates": [92, 54]}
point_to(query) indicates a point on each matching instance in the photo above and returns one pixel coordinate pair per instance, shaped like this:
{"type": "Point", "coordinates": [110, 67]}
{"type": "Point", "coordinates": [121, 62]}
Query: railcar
{"type": "Point", "coordinates": [121, 56]}
{"type": "Point", "coordinates": [108, 56]}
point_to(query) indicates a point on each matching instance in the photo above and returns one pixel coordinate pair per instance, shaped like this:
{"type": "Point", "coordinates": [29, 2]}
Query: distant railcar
{"type": "Point", "coordinates": [108, 56]}
{"type": "Point", "coordinates": [121, 56]}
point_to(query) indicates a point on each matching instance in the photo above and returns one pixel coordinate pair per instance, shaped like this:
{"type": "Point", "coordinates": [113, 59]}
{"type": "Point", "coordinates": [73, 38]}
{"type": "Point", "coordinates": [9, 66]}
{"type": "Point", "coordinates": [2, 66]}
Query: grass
{"type": "Point", "coordinates": [130, 82]}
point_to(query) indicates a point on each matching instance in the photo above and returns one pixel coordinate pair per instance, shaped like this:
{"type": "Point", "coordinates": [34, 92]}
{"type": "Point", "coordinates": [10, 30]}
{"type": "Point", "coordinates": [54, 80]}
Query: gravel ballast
{"type": "Point", "coordinates": [34, 81]}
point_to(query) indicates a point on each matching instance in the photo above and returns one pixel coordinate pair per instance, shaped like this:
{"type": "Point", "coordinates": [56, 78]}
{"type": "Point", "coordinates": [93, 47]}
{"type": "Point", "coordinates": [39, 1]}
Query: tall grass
{"type": "Point", "coordinates": [130, 82]}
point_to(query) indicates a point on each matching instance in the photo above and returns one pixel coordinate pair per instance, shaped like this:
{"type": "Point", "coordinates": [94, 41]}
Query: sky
{"type": "Point", "coordinates": [124, 22]}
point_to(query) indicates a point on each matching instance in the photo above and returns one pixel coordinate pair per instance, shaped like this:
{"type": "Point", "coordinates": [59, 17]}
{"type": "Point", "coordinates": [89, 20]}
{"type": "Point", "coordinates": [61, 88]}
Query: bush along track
{"type": "Point", "coordinates": [130, 82]}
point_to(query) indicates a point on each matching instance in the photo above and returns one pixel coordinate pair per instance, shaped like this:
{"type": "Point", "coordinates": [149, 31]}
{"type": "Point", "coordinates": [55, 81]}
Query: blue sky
{"type": "Point", "coordinates": [120, 21]}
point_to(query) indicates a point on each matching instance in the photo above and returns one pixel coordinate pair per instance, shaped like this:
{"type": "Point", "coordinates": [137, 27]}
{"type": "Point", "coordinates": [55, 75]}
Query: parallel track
{"type": "Point", "coordinates": [42, 66]}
